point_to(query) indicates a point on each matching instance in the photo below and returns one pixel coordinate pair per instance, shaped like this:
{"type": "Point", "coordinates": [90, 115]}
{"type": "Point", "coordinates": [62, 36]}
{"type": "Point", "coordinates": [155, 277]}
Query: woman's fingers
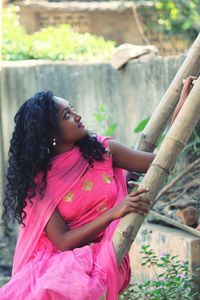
{"type": "Point", "coordinates": [187, 86]}
{"type": "Point", "coordinates": [140, 211]}
{"type": "Point", "coordinates": [138, 192]}
{"type": "Point", "coordinates": [132, 184]}
{"type": "Point", "coordinates": [189, 78]}
{"type": "Point", "coordinates": [188, 82]}
{"type": "Point", "coordinates": [140, 203]}
{"type": "Point", "coordinates": [137, 202]}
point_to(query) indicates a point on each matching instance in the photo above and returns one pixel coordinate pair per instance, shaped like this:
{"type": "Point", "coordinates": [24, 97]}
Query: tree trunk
{"type": "Point", "coordinates": [160, 168]}
{"type": "Point", "coordinates": [159, 119]}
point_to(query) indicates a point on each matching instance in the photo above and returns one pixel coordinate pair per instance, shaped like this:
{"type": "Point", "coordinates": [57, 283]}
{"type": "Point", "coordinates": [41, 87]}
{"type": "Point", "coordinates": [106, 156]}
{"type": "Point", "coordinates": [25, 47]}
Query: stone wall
{"type": "Point", "coordinates": [130, 94]}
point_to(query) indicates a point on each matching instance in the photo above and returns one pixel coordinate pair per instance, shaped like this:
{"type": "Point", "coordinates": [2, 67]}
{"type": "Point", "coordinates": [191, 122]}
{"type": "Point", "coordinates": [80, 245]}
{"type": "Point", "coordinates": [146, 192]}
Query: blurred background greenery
{"type": "Point", "coordinates": [53, 42]}
{"type": "Point", "coordinates": [169, 25]}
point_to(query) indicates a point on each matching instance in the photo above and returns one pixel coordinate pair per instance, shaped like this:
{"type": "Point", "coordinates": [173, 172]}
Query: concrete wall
{"type": "Point", "coordinates": [131, 94]}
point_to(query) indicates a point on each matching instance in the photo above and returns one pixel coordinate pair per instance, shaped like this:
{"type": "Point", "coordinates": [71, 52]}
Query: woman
{"type": "Point", "coordinates": [67, 188]}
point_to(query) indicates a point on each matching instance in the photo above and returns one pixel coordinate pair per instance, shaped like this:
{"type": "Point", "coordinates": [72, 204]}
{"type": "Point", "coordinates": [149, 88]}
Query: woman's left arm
{"type": "Point", "coordinates": [187, 86]}
{"type": "Point", "coordinates": [139, 161]}
{"type": "Point", "coordinates": [129, 159]}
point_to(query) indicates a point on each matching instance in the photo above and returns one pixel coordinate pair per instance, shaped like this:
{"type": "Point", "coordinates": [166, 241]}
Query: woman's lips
{"type": "Point", "coordinates": [81, 125]}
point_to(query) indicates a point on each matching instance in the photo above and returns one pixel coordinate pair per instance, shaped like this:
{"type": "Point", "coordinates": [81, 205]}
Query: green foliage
{"type": "Point", "coordinates": [179, 16]}
{"type": "Point", "coordinates": [173, 279]}
{"type": "Point", "coordinates": [16, 44]}
{"type": "Point", "coordinates": [141, 126]}
{"type": "Point", "coordinates": [55, 43]}
{"type": "Point", "coordinates": [170, 24]}
{"type": "Point", "coordinates": [193, 146]}
{"type": "Point", "coordinates": [104, 118]}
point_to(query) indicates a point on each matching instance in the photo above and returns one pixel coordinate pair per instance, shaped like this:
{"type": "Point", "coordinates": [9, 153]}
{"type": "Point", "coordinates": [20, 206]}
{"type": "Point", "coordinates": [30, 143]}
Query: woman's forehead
{"type": "Point", "coordinates": [61, 102]}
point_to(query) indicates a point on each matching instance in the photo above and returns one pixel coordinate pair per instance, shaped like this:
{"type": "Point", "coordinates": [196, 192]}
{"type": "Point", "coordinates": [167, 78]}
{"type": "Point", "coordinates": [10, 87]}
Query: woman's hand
{"type": "Point", "coordinates": [187, 86]}
{"type": "Point", "coordinates": [134, 202]}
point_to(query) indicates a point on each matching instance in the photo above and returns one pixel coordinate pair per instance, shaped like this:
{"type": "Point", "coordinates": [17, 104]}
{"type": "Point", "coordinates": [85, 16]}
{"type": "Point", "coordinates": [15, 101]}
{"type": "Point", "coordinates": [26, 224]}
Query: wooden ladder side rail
{"type": "Point", "coordinates": [159, 119]}
{"type": "Point", "coordinates": [160, 168]}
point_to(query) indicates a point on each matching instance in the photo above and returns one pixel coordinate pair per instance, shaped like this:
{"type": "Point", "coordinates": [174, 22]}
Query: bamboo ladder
{"type": "Point", "coordinates": [174, 142]}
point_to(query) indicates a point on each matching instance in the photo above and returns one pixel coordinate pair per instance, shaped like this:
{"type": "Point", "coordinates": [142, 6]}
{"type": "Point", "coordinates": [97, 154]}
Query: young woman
{"type": "Point", "coordinates": [67, 189]}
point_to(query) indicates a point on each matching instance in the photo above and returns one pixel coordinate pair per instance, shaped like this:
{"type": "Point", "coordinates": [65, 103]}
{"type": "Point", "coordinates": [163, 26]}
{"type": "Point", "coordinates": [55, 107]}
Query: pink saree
{"type": "Point", "coordinates": [43, 272]}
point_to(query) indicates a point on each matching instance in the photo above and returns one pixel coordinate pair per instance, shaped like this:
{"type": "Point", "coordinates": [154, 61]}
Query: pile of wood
{"type": "Point", "coordinates": [180, 198]}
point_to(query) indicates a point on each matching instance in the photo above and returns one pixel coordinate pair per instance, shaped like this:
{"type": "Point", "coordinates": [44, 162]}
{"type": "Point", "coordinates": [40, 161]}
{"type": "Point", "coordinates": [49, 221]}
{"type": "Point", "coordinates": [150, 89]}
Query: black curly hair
{"type": "Point", "coordinates": [31, 150]}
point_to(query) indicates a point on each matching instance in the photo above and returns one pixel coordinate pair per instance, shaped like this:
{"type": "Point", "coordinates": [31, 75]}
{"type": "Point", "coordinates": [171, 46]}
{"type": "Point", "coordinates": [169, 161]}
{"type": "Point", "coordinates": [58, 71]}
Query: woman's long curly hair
{"type": "Point", "coordinates": [31, 150]}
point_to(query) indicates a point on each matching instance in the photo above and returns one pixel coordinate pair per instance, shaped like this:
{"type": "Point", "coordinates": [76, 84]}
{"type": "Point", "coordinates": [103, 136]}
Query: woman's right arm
{"type": "Point", "coordinates": [57, 231]}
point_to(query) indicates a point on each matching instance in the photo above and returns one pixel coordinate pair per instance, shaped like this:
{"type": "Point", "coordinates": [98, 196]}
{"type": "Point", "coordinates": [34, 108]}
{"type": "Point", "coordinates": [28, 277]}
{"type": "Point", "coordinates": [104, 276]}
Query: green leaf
{"type": "Point", "coordinates": [99, 117]}
{"type": "Point", "coordinates": [103, 108]}
{"type": "Point", "coordinates": [141, 125]}
{"type": "Point", "coordinates": [160, 140]}
{"type": "Point", "coordinates": [111, 129]}
{"type": "Point", "coordinates": [187, 24]}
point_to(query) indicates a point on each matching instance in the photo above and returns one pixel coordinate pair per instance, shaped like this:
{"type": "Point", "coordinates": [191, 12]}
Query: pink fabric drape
{"type": "Point", "coordinates": [67, 169]}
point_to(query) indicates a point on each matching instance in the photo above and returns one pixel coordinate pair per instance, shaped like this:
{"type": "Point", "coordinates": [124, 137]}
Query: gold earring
{"type": "Point", "coordinates": [54, 142]}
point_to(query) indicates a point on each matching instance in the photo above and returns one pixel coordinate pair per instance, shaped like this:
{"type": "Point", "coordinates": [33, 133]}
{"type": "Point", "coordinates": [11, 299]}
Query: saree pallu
{"type": "Point", "coordinates": [40, 270]}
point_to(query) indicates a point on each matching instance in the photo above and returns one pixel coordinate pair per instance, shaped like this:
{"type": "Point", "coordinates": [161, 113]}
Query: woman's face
{"type": "Point", "coordinates": [71, 127]}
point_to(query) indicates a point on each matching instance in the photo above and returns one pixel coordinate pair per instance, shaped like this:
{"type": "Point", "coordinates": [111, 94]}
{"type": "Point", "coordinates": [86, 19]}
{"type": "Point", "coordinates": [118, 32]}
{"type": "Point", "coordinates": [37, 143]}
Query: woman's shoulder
{"type": "Point", "coordinates": [104, 140]}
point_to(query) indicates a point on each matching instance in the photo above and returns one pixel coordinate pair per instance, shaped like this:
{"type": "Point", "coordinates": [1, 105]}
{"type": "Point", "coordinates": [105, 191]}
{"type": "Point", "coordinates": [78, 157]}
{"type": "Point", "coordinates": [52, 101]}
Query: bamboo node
{"type": "Point", "coordinates": [143, 134]}
{"type": "Point", "coordinates": [159, 166]}
{"type": "Point", "coordinates": [175, 140]}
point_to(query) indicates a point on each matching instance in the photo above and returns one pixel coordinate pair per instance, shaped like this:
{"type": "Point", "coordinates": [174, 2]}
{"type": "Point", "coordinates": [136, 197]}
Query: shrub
{"type": "Point", "coordinates": [16, 44]}
{"type": "Point", "coordinates": [55, 43]}
{"type": "Point", "coordinates": [173, 280]}
{"type": "Point", "coordinates": [105, 121]}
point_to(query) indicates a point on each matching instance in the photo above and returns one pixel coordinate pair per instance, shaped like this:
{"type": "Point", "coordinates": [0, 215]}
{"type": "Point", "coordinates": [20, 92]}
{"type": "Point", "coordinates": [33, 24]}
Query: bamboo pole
{"type": "Point", "coordinates": [1, 12]}
{"type": "Point", "coordinates": [161, 166]}
{"type": "Point", "coordinates": [158, 121]}
{"type": "Point", "coordinates": [2, 170]}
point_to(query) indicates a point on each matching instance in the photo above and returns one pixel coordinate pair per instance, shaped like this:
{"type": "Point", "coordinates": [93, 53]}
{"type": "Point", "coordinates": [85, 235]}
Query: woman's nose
{"type": "Point", "coordinates": [77, 117]}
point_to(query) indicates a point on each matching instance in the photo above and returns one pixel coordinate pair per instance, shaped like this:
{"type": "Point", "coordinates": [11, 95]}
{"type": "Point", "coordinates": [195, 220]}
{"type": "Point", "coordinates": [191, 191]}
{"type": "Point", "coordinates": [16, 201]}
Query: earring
{"type": "Point", "coordinates": [54, 142]}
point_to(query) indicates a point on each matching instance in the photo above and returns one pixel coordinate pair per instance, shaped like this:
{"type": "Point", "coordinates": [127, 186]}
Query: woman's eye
{"type": "Point", "coordinates": [66, 115]}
